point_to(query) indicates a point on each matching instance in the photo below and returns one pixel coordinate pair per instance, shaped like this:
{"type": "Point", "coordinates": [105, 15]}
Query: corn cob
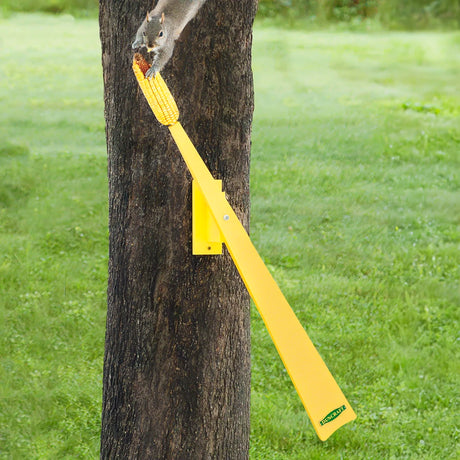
{"type": "Point", "coordinates": [156, 92]}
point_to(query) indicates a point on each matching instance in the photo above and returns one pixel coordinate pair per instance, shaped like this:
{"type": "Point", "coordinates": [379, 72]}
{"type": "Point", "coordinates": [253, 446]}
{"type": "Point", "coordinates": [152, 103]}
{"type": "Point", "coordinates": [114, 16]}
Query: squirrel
{"type": "Point", "coordinates": [162, 26]}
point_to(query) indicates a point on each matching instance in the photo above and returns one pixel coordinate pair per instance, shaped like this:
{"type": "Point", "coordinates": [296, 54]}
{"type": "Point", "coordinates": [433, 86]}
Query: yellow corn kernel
{"type": "Point", "coordinates": [158, 97]}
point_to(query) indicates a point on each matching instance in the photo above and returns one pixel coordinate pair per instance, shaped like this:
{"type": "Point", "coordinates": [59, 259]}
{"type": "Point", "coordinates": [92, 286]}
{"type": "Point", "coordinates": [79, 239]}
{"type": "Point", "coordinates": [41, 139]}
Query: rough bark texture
{"type": "Point", "coordinates": [177, 359]}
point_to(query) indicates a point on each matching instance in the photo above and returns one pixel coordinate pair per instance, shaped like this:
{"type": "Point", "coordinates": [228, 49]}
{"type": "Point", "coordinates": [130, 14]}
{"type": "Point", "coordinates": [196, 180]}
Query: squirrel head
{"type": "Point", "coordinates": [152, 33]}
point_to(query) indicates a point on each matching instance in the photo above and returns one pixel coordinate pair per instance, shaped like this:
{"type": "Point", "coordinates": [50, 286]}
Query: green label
{"type": "Point", "coordinates": [332, 415]}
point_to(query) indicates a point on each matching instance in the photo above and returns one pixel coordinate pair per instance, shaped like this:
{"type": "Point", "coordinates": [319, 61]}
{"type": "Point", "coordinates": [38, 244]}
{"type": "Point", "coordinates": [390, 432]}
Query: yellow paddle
{"type": "Point", "coordinates": [322, 398]}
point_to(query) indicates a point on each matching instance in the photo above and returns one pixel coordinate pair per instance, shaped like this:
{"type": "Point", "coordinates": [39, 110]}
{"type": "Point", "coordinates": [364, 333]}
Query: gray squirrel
{"type": "Point", "coordinates": [162, 26]}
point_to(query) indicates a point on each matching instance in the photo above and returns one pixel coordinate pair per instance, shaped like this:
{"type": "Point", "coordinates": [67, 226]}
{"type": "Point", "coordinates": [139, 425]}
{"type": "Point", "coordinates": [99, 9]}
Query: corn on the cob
{"type": "Point", "coordinates": [141, 62]}
{"type": "Point", "coordinates": [156, 92]}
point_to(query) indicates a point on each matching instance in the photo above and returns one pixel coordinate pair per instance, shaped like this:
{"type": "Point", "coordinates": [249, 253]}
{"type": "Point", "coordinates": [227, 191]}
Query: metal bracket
{"type": "Point", "coordinates": [206, 236]}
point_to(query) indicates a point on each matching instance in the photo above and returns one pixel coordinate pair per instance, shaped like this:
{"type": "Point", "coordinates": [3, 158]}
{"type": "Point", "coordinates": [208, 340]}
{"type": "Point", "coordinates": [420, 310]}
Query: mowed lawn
{"type": "Point", "coordinates": [355, 209]}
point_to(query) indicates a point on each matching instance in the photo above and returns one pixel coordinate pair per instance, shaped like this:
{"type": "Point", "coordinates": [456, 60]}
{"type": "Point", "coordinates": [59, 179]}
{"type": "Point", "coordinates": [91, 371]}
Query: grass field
{"type": "Point", "coordinates": [355, 208]}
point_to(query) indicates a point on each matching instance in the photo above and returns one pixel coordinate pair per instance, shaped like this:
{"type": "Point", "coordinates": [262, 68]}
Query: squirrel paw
{"type": "Point", "coordinates": [151, 72]}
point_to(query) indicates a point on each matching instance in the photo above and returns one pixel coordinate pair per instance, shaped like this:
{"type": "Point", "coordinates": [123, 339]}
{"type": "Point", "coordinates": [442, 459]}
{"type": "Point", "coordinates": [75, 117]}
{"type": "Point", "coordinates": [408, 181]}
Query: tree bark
{"type": "Point", "coordinates": [176, 379]}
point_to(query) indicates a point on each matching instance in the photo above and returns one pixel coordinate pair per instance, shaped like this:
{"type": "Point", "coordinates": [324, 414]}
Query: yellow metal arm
{"type": "Point", "coordinates": [322, 398]}
{"type": "Point", "coordinates": [319, 392]}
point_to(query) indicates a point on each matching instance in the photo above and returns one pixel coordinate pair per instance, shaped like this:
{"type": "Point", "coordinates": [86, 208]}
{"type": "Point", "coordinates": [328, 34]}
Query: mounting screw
{"type": "Point", "coordinates": [226, 217]}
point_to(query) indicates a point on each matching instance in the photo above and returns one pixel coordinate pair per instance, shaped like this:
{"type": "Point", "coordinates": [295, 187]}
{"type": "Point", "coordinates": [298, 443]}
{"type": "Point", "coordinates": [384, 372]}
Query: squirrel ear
{"type": "Point", "coordinates": [148, 18]}
{"type": "Point", "coordinates": [162, 19]}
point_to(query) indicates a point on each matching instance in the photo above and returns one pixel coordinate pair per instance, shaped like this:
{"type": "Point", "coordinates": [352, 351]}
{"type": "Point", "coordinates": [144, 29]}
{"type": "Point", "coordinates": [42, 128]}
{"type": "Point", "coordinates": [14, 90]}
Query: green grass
{"type": "Point", "coordinates": [355, 208]}
{"type": "Point", "coordinates": [53, 238]}
{"type": "Point", "coordinates": [356, 205]}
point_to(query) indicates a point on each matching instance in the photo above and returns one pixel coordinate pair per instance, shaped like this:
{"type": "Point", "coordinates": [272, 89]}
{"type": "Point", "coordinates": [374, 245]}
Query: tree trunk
{"type": "Point", "coordinates": [177, 356]}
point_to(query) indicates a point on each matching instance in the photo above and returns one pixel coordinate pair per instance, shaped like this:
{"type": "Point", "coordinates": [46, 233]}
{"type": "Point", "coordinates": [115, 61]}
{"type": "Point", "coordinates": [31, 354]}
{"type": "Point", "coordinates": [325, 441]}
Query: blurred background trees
{"type": "Point", "coordinates": [391, 13]}
{"type": "Point", "coordinates": [402, 14]}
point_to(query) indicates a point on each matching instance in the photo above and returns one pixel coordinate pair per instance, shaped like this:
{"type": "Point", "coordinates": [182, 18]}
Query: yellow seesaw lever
{"type": "Point", "coordinates": [322, 398]}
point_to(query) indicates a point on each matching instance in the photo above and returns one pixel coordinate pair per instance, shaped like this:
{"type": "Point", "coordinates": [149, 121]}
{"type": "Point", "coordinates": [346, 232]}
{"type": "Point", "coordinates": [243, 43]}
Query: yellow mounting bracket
{"type": "Point", "coordinates": [214, 222]}
{"type": "Point", "coordinates": [206, 236]}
